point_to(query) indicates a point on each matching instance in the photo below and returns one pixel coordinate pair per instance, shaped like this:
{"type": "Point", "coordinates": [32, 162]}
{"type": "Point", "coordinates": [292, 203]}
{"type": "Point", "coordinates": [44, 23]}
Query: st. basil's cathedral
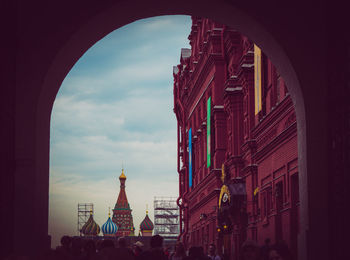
{"type": "Point", "coordinates": [121, 224]}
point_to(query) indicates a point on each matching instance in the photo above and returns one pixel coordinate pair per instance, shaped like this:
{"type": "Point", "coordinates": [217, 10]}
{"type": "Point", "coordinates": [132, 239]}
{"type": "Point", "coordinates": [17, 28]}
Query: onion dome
{"type": "Point", "coordinates": [122, 176]}
{"type": "Point", "coordinates": [146, 224]}
{"type": "Point", "coordinates": [109, 228]}
{"type": "Point", "coordinates": [90, 228]}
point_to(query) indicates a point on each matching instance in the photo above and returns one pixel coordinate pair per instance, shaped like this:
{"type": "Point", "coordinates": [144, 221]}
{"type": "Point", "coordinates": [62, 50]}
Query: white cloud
{"type": "Point", "coordinates": [142, 112]}
{"type": "Point", "coordinates": [158, 24]}
{"type": "Point", "coordinates": [98, 155]}
{"type": "Point", "coordinates": [132, 74]}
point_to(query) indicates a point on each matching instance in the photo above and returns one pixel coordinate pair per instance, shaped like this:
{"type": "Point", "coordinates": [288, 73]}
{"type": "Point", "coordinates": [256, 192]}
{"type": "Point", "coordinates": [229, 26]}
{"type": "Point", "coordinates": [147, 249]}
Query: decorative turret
{"type": "Point", "coordinates": [132, 233]}
{"type": "Point", "coordinates": [109, 228]}
{"type": "Point", "coordinates": [122, 211]}
{"type": "Point", "coordinates": [90, 228]}
{"type": "Point", "coordinates": [146, 226]}
{"type": "Point", "coordinates": [122, 201]}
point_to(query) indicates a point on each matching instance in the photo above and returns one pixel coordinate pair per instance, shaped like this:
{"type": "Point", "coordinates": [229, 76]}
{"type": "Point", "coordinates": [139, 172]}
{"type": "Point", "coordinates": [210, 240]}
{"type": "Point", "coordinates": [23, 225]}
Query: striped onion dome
{"type": "Point", "coordinates": [90, 228]}
{"type": "Point", "coordinates": [146, 224]}
{"type": "Point", "coordinates": [109, 228]}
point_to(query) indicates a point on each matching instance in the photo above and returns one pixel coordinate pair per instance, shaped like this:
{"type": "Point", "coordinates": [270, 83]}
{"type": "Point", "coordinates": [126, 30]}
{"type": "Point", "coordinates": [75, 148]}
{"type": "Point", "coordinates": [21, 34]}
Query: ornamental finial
{"type": "Point", "coordinates": [122, 176]}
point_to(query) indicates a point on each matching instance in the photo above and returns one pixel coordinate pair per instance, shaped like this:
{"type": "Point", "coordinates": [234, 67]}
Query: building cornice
{"type": "Point", "coordinates": [198, 80]}
{"type": "Point", "coordinates": [284, 136]}
{"type": "Point", "coordinates": [274, 117]}
{"type": "Point", "coordinates": [212, 194]}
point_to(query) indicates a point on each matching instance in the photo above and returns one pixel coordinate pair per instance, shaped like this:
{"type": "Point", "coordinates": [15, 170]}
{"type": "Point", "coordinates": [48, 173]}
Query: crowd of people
{"type": "Point", "coordinates": [88, 249]}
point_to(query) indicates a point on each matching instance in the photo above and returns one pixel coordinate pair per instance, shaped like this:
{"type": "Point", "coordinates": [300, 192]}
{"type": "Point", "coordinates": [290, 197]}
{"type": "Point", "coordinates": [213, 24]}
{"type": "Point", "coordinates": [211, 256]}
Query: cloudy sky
{"type": "Point", "coordinates": [113, 108]}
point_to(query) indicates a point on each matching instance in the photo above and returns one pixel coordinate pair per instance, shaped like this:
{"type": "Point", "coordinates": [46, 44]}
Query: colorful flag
{"type": "Point", "coordinates": [208, 132]}
{"type": "Point", "coordinates": [257, 78]}
{"type": "Point", "coordinates": [256, 191]}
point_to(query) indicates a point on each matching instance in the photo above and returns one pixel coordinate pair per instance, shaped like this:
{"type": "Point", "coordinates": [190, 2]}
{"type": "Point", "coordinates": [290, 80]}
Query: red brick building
{"type": "Point", "coordinates": [237, 143]}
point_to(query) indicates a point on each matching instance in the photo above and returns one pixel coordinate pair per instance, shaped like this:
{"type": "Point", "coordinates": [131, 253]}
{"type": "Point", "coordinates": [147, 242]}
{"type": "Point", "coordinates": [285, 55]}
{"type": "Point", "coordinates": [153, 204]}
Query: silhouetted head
{"type": "Point", "coordinates": [66, 241]}
{"type": "Point", "coordinates": [201, 251]}
{"type": "Point", "coordinates": [156, 241]}
{"type": "Point", "coordinates": [250, 250]}
{"type": "Point", "coordinates": [77, 245]}
{"type": "Point", "coordinates": [180, 249]}
{"type": "Point", "coordinates": [193, 251]}
{"type": "Point", "coordinates": [279, 251]}
{"type": "Point", "coordinates": [137, 247]}
{"type": "Point", "coordinates": [90, 246]}
{"type": "Point", "coordinates": [211, 249]}
{"type": "Point", "coordinates": [107, 243]}
{"type": "Point", "coordinates": [122, 242]}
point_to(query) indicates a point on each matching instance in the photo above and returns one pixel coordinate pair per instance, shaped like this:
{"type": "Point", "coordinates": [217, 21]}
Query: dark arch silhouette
{"type": "Point", "coordinates": [102, 24]}
{"type": "Point", "coordinates": [49, 39]}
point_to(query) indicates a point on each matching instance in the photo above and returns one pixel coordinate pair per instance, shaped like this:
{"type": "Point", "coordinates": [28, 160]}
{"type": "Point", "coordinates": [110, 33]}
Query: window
{"type": "Point", "coordinates": [278, 89]}
{"type": "Point", "coordinates": [266, 201]}
{"type": "Point", "coordinates": [279, 196]}
{"type": "Point", "coordinates": [199, 117]}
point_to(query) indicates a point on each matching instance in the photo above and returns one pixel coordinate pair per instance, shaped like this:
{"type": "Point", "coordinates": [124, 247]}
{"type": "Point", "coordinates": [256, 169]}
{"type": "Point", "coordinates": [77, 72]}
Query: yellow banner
{"type": "Point", "coordinates": [257, 78]}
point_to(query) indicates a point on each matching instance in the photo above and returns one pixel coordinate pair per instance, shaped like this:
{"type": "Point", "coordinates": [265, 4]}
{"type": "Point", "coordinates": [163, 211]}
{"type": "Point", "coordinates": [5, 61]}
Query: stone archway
{"type": "Point", "coordinates": [62, 47]}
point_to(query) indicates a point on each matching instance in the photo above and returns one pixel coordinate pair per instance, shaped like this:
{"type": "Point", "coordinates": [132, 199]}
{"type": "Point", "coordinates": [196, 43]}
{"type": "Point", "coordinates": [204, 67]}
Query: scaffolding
{"type": "Point", "coordinates": [166, 218]}
{"type": "Point", "coordinates": [84, 210]}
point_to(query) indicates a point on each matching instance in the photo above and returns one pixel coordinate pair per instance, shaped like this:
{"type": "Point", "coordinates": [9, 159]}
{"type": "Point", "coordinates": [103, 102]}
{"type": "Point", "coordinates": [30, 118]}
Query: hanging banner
{"type": "Point", "coordinates": [190, 157]}
{"type": "Point", "coordinates": [256, 191]}
{"type": "Point", "coordinates": [208, 132]}
{"type": "Point", "coordinates": [257, 78]}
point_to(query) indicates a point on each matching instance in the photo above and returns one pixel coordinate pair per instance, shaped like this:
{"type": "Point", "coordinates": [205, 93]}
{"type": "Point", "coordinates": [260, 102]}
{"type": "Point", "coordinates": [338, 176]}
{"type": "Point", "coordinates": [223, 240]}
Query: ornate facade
{"type": "Point", "coordinates": [122, 212]}
{"type": "Point", "coordinates": [237, 143]}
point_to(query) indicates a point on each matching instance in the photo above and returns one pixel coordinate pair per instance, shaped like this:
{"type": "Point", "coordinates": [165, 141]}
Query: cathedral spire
{"type": "Point", "coordinates": [122, 201]}
{"type": "Point", "coordinates": [122, 211]}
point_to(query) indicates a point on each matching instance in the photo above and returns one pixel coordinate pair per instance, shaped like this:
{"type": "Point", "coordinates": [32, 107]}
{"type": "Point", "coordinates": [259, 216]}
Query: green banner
{"type": "Point", "coordinates": [208, 132]}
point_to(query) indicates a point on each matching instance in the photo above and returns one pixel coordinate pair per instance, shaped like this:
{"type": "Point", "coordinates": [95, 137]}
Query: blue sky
{"type": "Point", "coordinates": [116, 106]}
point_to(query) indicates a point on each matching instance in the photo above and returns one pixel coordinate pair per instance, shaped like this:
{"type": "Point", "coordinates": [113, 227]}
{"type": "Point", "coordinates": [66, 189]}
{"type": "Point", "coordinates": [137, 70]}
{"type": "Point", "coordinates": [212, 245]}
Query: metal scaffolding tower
{"type": "Point", "coordinates": [166, 218]}
{"type": "Point", "coordinates": [84, 210]}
